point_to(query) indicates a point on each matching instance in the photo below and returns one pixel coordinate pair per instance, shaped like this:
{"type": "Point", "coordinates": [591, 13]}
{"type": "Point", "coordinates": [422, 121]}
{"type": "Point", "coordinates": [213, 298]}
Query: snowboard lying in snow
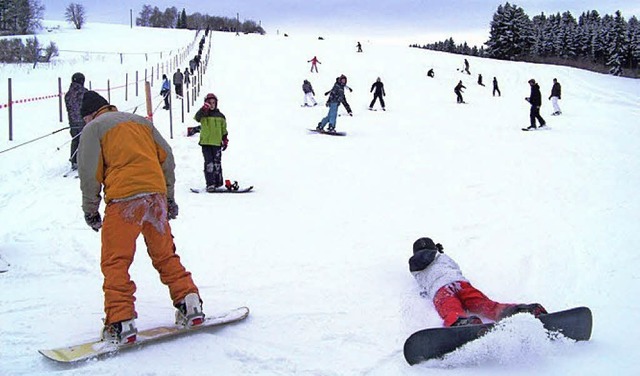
{"type": "Point", "coordinates": [97, 348]}
{"type": "Point", "coordinates": [426, 344]}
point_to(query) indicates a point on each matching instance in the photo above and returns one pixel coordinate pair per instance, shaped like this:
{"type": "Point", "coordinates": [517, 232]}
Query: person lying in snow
{"type": "Point", "coordinates": [455, 299]}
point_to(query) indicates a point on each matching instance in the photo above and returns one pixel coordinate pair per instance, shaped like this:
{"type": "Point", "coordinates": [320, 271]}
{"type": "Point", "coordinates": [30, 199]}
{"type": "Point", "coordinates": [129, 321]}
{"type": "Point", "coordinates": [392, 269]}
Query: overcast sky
{"type": "Point", "coordinates": [375, 17]}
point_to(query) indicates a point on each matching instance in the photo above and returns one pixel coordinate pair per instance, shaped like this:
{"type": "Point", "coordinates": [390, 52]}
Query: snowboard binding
{"type": "Point", "coordinates": [231, 186]}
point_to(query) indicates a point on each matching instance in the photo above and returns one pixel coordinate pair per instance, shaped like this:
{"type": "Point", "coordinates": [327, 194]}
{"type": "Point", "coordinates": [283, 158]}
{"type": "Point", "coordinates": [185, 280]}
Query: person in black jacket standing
{"type": "Point", "coordinates": [535, 99]}
{"type": "Point", "coordinates": [458, 91]}
{"type": "Point", "coordinates": [555, 96]}
{"type": "Point", "coordinates": [378, 92]}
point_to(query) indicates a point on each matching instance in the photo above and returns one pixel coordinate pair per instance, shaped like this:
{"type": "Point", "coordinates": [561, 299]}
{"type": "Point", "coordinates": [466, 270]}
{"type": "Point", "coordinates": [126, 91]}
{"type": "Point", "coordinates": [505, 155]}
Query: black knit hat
{"type": "Point", "coordinates": [78, 78]}
{"type": "Point", "coordinates": [423, 243]}
{"type": "Point", "coordinates": [91, 102]}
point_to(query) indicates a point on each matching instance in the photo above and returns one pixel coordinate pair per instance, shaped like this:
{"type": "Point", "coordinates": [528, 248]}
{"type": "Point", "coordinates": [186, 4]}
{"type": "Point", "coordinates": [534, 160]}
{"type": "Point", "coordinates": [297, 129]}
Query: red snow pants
{"type": "Point", "coordinates": [123, 223]}
{"type": "Point", "coordinates": [456, 299]}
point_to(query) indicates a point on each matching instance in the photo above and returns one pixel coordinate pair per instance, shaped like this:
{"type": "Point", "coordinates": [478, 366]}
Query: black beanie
{"type": "Point", "coordinates": [78, 78]}
{"type": "Point", "coordinates": [91, 102]}
{"type": "Point", "coordinates": [423, 243]}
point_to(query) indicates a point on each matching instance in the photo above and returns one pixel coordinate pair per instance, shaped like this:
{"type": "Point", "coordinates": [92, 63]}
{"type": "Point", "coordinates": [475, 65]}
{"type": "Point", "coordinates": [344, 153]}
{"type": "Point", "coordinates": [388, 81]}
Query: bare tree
{"type": "Point", "coordinates": [75, 14]}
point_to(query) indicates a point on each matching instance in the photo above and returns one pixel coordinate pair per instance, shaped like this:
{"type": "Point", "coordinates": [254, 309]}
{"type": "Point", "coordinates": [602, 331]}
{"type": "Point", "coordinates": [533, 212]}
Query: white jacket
{"type": "Point", "coordinates": [442, 271]}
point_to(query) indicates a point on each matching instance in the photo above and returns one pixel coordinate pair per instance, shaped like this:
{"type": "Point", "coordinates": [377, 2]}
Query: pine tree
{"type": "Point", "coordinates": [633, 36]}
{"type": "Point", "coordinates": [511, 35]}
{"type": "Point", "coordinates": [618, 45]}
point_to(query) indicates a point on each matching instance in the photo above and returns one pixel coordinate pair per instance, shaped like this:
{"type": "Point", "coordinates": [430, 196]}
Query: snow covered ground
{"type": "Point", "coordinates": [319, 251]}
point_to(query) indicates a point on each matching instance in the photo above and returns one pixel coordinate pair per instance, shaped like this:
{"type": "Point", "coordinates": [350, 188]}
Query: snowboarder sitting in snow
{"type": "Point", "coordinates": [441, 280]}
{"type": "Point", "coordinates": [431, 73]}
{"type": "Point", "coordinates": [213, 140]}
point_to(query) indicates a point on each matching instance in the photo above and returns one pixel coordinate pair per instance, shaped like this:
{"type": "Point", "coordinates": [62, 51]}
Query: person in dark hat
{"type": "Point", "coordinates": [456, 300]}
{"type": "Point", "coordinates": [123, 156]}
{"type": "Point", "coordinates": [535, 99]}
{"type": "Point", "coordinates": [73, 102]}
{"type": "Point", "coordinates": [336, 96]}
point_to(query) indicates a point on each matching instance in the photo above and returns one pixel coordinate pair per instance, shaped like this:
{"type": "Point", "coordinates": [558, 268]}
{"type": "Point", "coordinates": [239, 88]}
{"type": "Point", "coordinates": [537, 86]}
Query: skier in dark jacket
{"type": "Point", "coordinates": [344, 102]}
{"type": "Point", "coordinates": [441, 280]}
{"type": "Point", "coordinates": [73, 102]}
{"type": "Point", "coordinates": [495, 87]}
{"type": "Point", "coordinates": [458, 91]}
{"type": "Point", "coordinates": [336, 96]}
{"type": "Point", "coordinates": [378, 93]}
{"type": "Point", "coordinates": [535, 99]}
{"type": "Point", "coordinates": [555, 96]}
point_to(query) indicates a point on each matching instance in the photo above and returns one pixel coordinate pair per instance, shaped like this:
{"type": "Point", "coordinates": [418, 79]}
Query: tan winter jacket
{"type": "Point", "coordinates": [124, 153]}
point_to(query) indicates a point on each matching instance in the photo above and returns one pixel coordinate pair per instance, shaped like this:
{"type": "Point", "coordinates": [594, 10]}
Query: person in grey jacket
{"type": "Point", "coordinates": [441, 280]}
{"type": "Point", "coordinates": [307, 89]}
{"type": "Point", "coordinates": [178, 79]}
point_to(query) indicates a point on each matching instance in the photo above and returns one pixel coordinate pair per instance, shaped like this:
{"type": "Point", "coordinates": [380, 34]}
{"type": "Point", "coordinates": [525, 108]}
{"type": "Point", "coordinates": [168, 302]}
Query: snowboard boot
{"type": "Point", "coordinates": [542, 125]}
{"type": "Point", "coordinates": [320, 127]}
{"type": "Point", "coordinates": [535, 309]}
{"type": "Point", "coordinates": [331, 128]}
{"type": "Point", "coordinates": [121, 332]}
{"type": "Point", "coordinates": [471, 320]}
{"type": "Point", "coordinates": [531, 127]}
{"type": "Point", "coordinates": [211, 188]}
{"type": "Point", "coordinates": [189, 311]}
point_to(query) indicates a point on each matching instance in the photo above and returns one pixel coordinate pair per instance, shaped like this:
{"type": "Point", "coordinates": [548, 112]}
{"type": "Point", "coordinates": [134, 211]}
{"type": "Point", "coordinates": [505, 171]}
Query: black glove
{"type": "Point", "coordinates": [93, 220]}
{"type": "Point", "coordinates": [172, 209]}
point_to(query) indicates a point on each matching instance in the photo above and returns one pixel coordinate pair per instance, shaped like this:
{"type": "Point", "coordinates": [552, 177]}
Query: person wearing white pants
{"type": "Point", "coordinates": [309, 99]}
{"type": "Point", "coordinates": [555, 96]}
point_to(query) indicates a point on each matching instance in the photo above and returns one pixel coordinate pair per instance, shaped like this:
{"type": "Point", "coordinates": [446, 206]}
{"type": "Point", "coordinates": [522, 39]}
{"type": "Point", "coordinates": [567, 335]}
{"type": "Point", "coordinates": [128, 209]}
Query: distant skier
{"type": "Point", "coordinates": [213, 140]}
{"type": "Point", "coordinates": [480, 80]}
{"type": "Point", "coordinates": [187, 78]}
{"type": "Point", "coordinates": [378, 93]}
{"type": "Point", "coordinates": [314, 64]}
{"type": "Point", "coordinates": [73, 102]}
{"type": "Point", "coordinates": [165, 91]}
{"type": "Point", "coordinates": [441, 280]}
{"type": "Point", "coordinates": [458, 91]}
{"type": "Point", "coordinates": [535, 99]}
{"type": "Point", "coordinates": [555, 97]}
{"type": "Point", "coordinates": [359, 46]}
{"type": "Point", "coordinates": [178, 80]}
{"type": "Point", "coordinates": [466, 66]}
{"type": "Point", "coordinates": [336, 95]}
{"type": "Point", "coordinates": [495, 87]}
{"type": "Point", "coordinates": [431, 73]}
{"type": "Point", "coordinates": [307, 89]}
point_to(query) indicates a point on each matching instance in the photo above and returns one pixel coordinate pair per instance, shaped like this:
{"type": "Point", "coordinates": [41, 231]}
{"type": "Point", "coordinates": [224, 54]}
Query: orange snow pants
{"type": "Point", "coordinates": [123, 223]}
{"type": "Point", "coordinates": [456, 299]}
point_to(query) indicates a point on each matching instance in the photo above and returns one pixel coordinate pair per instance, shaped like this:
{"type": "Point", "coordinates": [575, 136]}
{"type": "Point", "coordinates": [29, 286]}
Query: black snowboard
{"type": "Point", "coordinates": [543, 128]}
{"type": "Point", "coordinates": [434, 343]}
{"type": "Point", "coordinates": [222, 190]}
{"type": "Point", "coordinates": [335, 133]}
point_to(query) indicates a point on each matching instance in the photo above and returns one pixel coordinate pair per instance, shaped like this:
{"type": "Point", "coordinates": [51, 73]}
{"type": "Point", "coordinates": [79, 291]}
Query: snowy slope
{"type": "Point", "coordinates": [319, 251]}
